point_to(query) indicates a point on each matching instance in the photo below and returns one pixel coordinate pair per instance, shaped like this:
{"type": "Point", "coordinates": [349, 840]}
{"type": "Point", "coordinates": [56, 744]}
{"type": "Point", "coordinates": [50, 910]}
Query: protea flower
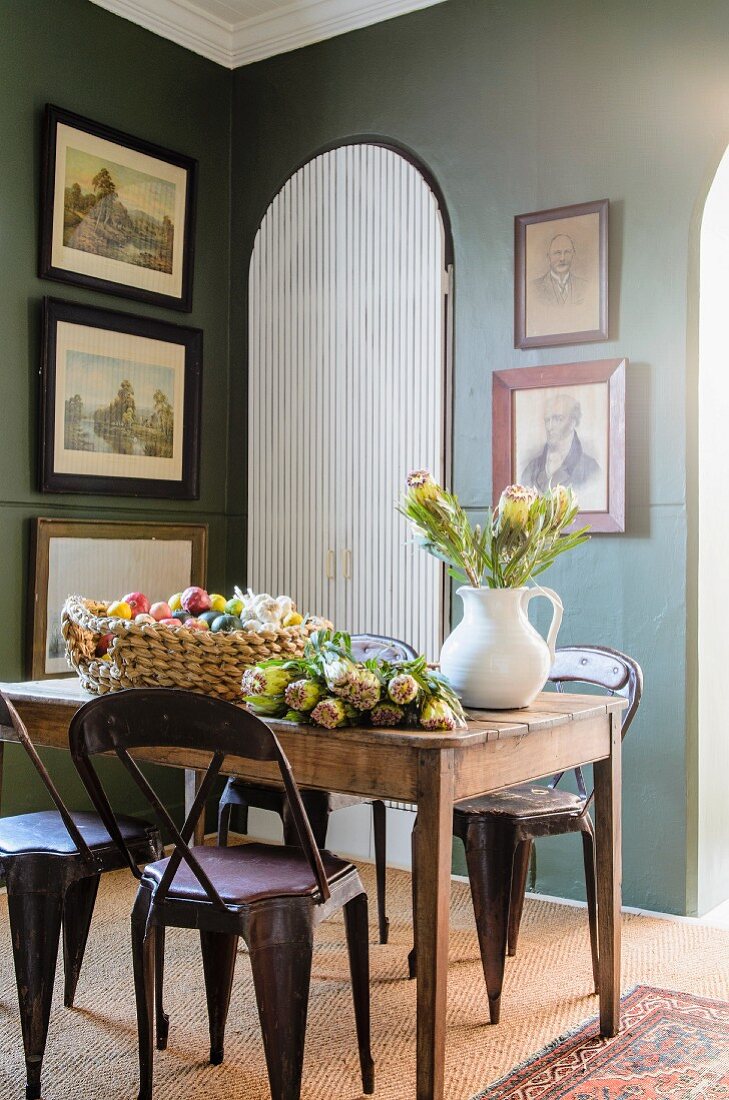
{"type": "Point", "coordinates": [363, 689]}
{"type": "Point", "coordinates": [266, 706]}
{"type": "Point", "coordinates": [387, 714]}
{"type": "Point", "coordinates": [337, 670]}
{"type": "Point", "coordinates": [297, 716]}
{"type": "Point", "coordinates": [403, 688]}
{"type": "Point", "coordinates": [330, 713]}
{"type": "Point", "coordinates": [437, 715]}
{"type": "Point", "coordinates": [514, 505]}
{"type": "Point", "coordinates": [563, 501]}
{"type": "Point", "coordinates": [272, 680]}
{"type": "Point", "coordinates": [422, 486]}
{"type": "Point", "coordinates": [303, 694]}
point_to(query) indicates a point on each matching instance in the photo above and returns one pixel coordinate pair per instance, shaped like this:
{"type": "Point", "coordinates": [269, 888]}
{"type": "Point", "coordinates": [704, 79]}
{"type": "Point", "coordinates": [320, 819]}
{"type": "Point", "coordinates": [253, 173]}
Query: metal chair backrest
{"type": "Point", "coordinates": [10, 718]}
{"type": "Point", "coordinates": [170, 718]}
{"type": "Point", "coordinates": [598, 666]}
{"type": "Point", "coordinates": [365, 646]}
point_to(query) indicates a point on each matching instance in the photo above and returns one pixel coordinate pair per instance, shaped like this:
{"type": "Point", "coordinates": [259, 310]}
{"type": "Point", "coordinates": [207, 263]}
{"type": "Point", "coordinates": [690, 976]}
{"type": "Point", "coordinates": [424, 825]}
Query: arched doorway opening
{"type": "Point", "coordinates": [712, 779]}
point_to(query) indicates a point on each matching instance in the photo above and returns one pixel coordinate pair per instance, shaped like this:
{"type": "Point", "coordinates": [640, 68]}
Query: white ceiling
{"type": "Point", "coordinates": [238, 32]}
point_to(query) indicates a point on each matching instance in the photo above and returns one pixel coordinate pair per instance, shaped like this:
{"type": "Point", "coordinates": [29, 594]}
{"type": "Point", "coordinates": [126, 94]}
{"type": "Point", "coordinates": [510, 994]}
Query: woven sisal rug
{"type": "Point", "coordinates": [670, 1045]}
{"type": "Point", "coordinates": [92, 1050]}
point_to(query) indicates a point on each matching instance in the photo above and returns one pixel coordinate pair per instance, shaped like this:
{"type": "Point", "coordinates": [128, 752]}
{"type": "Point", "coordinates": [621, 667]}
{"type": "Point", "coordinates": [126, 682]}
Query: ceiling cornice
{"type": "Point", "coordinates": [300, 23]}
{"type": "Point", "coordinates": [181, 22]}
{"type": "Point", "coordinates": [306, 21]}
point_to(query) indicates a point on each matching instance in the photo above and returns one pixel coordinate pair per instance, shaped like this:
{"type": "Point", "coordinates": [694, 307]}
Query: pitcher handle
{"type": "Point", "coordinates": [529, 594]}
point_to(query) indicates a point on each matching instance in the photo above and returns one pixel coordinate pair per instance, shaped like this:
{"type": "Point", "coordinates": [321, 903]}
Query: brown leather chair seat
{"type": "Point", "coordinates": [528, 800]}
{"type": "Point", "coordinates": [44, 832]}
{"type": "Point", "coordinates": [248, 873]}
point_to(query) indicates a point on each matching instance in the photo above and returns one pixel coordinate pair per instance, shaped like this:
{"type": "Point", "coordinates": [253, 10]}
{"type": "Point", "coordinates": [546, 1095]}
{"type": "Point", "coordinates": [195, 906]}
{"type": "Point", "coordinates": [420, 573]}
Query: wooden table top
{"type": "Point", "coordinates": [550, 709]}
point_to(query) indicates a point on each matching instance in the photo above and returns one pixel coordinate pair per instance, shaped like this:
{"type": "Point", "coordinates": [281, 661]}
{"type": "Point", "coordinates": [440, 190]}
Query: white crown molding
{"type": "Point", "coordinates": [306, 21]}
{"type": "Point", "coordinates": [180, 22]}
{"type": "Point", "coordinates": [299, 23]}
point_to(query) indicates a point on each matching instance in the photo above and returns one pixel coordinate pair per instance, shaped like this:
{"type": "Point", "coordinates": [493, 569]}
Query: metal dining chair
{"type": "Point", "coordinates": [51, 862]}
{"type": "Point", "coordinates": [498, 830]}
{"type": "Point", "coordinates": [320, 804]}
{"type": "Point", "coordinates": [273, 896]}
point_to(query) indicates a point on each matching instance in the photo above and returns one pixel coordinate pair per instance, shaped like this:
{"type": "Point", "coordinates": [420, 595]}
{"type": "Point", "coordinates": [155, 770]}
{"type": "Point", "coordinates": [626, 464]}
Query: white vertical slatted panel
{"type": "Point", "coordinates": [346, 390]}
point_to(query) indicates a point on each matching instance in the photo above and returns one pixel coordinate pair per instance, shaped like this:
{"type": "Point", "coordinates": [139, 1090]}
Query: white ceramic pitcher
{"type": "Point", "coordinates": [495, 659]}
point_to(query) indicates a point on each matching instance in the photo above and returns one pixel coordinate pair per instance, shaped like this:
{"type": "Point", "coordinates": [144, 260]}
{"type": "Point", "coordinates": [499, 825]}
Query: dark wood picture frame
{"type": "Point", "coordinates": [559, 214]}
{"type": "Point", "coordinates": [507, 383]}
{"type": "Point", "coordinates": [187, 487]}
{"type": "Point", "coordinates": [43, 530]}
{"type": "Point", "coordinates": [52, 268]}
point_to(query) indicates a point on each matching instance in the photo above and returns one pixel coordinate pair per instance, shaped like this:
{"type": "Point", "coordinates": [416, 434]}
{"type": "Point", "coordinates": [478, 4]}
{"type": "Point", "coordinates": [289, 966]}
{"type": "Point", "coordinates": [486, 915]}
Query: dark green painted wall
{"type": "Point", "coordinates": [76, 55]}
{"type": "Point", "coordinates": [514, 107]}
{"type": "Point", "coordinates": [519, 107]}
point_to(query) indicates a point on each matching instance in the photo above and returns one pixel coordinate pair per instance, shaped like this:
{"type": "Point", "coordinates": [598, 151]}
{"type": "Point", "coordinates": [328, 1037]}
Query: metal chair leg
{"type": "Point", "coordinates": [78, 909]}
{"type": "Point", "coordinates": [490, 857]}
{"type": "Point", "coordinates": [522, 858]}
{"type": "Point", "coordinates": [218, 956]}
{"type": "Point", "coordinates": [316, 804]}
{"type": "Point", "coordinates": [35, 928]}
{"type": "Point", "coordinates": [162, 1020]}
{"type": "Point", "coordinates": [143, 947]}
{"type": "Point", "coordinates": [413, 956]}
{"type": "Point", "coordinates": [588, 851]}
{"type": "Point", "coordinates": [355, 919]}
{"type": "Point", "coordinates": [379, 822]}
{"type": "Point", "coordinates": [281, 977]}
{"type": "Point", "coordinates": [224, 812]}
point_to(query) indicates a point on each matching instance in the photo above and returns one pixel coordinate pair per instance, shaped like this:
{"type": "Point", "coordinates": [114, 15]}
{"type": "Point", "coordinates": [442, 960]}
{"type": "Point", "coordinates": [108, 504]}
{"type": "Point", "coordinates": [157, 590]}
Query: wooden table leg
{"type": "Point", "coordinates": [193, 779]}
{"type": "Point", "coordinates": [609, 878]}
{"type": "Point", "coordinates": [433, 855]}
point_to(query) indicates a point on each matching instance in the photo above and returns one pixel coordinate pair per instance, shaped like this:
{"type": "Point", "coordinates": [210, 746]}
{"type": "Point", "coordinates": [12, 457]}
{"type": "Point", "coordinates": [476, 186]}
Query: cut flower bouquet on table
{"type": "Point", "coordinates": [327, 687]}
{"type": "Point", "coordinates": [519, 540]}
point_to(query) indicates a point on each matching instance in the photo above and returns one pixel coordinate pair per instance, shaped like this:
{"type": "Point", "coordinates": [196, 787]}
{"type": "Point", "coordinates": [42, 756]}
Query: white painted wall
{"type": "Point", "coordinates": [349, 833]}
{"type": "Point", "coordinates": [713, 602]}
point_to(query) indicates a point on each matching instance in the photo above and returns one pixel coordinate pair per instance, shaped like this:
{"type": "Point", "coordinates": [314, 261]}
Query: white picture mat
{"type": "Point", "coordinates": [137, 349]}
{"type": "Point", "coordinates": [102, 267]}
{"type": "Point", "coordinates": [547, 319]}
{"type": "Point", "coordinates": [593, 432]}
{"type": "Point", "coordinates": [107, 569]}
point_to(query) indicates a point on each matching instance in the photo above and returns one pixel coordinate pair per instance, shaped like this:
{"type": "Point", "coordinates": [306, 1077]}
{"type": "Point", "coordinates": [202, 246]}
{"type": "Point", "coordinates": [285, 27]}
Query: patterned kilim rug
{"type": "Point", "coordinates": [672, 1046]}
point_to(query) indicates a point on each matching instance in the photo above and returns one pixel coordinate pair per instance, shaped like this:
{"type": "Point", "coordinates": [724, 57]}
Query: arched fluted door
{"type": "Point", "coordinates": [348, 308]}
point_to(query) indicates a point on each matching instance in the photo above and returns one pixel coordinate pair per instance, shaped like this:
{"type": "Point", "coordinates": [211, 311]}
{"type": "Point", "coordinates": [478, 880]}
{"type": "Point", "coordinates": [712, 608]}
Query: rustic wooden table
{"type": "Point", "coordinates": [431, 770]}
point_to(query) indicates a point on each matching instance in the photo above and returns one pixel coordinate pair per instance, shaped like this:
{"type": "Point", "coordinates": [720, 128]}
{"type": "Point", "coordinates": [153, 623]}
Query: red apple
{"type": "Point", "coordinates": [160, 611]}
{"type": "Point", "coordinates": [195, 600]}
{"type": "Point", "coordinates": [138, 603]}
{"type": "Point", "coordinates": [196, 624]}
{"type": "Point", "coordinates": [170, 622]}
{"type": "Point", "coordinates": [103, 644]}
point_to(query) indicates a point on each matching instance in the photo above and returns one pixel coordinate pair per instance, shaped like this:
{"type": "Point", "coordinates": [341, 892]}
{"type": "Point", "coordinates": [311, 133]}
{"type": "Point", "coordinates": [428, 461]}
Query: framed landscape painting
{"type": "Point", "coordinates": [120, 404]}
{"type": "Point", "coordinates": [561, 276]}
{"type": "Point", "coordinates": [102, 560]}
{"type": "Point", "coordinates": [564, 425]}
{"type": "Point", "coordinates": [117, 213]}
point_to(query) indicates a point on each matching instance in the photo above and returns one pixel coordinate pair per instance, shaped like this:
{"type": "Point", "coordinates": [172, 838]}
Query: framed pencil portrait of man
{"type": "Point", "coordinates": [564, 425]}
{"type": "Point", "coordinates": [561, 276]}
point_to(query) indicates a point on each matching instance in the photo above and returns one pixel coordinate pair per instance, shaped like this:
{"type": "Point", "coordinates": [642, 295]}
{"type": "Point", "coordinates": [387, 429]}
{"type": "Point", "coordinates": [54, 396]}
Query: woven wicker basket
{"type": "Point", "coordinates": [152, 655]}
